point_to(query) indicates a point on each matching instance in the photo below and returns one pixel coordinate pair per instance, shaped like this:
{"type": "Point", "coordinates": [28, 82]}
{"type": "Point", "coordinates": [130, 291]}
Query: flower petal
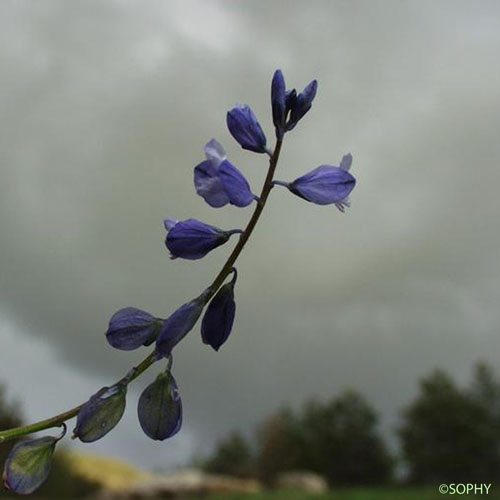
{"type": "Point", "coordinates": [346, 162]}
{"type": "Point", "coordinates": [208, 184]}
{"type": "Point", "coordinates": [214, 152]}
{"type": "Point", "coordinates": [235, 185]}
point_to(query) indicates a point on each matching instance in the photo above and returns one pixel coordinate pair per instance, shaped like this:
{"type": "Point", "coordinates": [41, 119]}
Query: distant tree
{"type": "Point", "coordinates": [452, 435]}
{"type": "Point", "coordinates": [232, 456]}
{"type": "Point", "coordinates": [342, 442]}
{"type": "Point", "coordinates": [281, 445]}
{"type": "Point", "coordinates": [337, 439]}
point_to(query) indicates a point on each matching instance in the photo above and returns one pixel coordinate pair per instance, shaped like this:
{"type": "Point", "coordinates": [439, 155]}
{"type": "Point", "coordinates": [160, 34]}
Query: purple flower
{"type": "Point", "coordinates": [192, 239]}
{"type": "Point", "coordinates": [244, 127]}
{"type": "Point", "coordinates": [179, 324]}
{"type": "Point", "coordinates": [278, 103]}
{"type": "Point", "coordinates": [130, 328]}
{"type": "Point", "coordinates": [219, 316]}
{"type": "Point", "coordinates": [218, 181]}
{"type": "Point", "coordinates": [325, 185]}
{"type": "Point", "coordinates": [100, 413]}
{"type": "Point", "coordinates": [160, 408]}
{"type": "Point", "coordinates": [28, 464]}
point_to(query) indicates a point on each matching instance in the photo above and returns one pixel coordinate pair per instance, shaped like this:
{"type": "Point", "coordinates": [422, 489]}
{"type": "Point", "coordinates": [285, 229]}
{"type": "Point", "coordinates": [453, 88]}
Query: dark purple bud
{"type": "Point", "coordinates": [179, 324]}
{"type": "Point", "coordinates": [302, 104]}
{"type": "Point", "coordinates": [244, 127]}
{"type": "Point", "coordinates": [235, 185]}
{"type": "Point", "coordinates": [192, 239]}
{"type": "Point", "coordinates": [219, 316]}
{"type": "Point", "coordinates": [100, 413]}
{"type": "Point", "coordinates": [324, 185]}
{"type": "Point", "coordinates": [130, 328]}
{"type": "Point", "coordinates": [28, 464]}
{"type": "Point", "coordinates": [278, 102]}
{"type": "Point", "coordinates": [160, 408]}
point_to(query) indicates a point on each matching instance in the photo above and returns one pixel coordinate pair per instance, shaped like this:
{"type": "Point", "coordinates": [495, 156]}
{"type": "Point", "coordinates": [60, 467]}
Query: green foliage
{"type": "Point", "coordinates": [232, 456]}
{"type": "Point", "coordinates": [377, 493]}
{"type": "Point", "coordinates": [451, 434]}
{"type": "Point", "coordinates": [337, 440]}
{"type": "Point", "coordinates": [281, 445]}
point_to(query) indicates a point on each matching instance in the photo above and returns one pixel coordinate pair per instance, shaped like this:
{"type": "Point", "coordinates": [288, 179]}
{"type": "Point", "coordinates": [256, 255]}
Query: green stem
{"type": "Point", "coordinates": [58, 420]}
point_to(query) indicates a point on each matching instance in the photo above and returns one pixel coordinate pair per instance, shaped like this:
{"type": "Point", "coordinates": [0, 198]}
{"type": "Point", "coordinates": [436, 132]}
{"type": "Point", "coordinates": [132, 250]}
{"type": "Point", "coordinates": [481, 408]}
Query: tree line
{"type": "Point", "coordinates": [447, 433]}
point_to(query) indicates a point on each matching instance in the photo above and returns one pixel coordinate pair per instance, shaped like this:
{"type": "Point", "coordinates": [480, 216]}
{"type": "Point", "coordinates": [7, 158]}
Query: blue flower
{"type": "Point", "coordinates": [130, 328]}
{"type": "Point", "coordinates": [244, 127]}
{"type": "Point", "coordinates": [179, 324]}
{"type": "Point", "coordinates": [325, 184]}
{"type": "Point", "coordinates": [192, 239]}
{"type": "Point", "coordinates": [101, 413]}
{"type": "Point", "coordinates": [219, 316]}
{"type": "Point", "coordinates": [160, 408]}
{"type": "Point", "coordinates": [218, 181]}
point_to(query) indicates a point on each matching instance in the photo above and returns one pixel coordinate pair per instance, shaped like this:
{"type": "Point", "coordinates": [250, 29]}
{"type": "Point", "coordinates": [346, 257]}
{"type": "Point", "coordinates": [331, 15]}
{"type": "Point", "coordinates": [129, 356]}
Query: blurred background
{"type": "Point", "coordinates": [105, 109]}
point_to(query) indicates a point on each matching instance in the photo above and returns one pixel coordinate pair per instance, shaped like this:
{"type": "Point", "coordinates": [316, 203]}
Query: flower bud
{"type": "Point", "coordinates": [100, 413]}
{"type": "Point", "coordinates": [179, 324]}
{"type": "Point", "coordinates": [324, 185]}
{"type": "Point", "coordinates": [301, 104]}
{"type": "Point", "coordinates": [192, 239]}
{"type": "Point", "coordinates": [219, 316]}
{"type": "Point", "coordinates": [130, 328]}
{"type": "Point", "coordinates": [278, 102]}
{"type": "Point", "coordinates": [244, 127]}
{"type": "Point", "coordinates": [28, 464]}
{"type": "Point", "coordinates": [160, 408]}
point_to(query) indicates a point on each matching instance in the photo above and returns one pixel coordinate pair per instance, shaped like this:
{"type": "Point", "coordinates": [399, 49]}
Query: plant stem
{"type": "Point", "coordinates": [58, 420]}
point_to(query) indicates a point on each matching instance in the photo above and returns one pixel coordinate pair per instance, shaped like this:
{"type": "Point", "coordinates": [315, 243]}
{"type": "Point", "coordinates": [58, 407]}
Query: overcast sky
{"type": "Point", "coordinates": [104, 110]}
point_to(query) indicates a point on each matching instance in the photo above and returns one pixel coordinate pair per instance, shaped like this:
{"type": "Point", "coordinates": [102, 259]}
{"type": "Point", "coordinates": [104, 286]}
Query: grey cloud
{"type": "Point", "coordinates": [105, 110]}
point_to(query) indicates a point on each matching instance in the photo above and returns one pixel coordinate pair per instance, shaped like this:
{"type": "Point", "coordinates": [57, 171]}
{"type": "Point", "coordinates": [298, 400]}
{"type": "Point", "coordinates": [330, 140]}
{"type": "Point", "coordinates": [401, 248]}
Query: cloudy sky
{"type": "Point", "coordinates": [105, 108]}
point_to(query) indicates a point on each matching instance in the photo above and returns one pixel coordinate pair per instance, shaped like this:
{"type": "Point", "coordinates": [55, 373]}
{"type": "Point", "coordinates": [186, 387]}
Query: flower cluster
{"type": "Point", "coordinates": [219, 182]}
